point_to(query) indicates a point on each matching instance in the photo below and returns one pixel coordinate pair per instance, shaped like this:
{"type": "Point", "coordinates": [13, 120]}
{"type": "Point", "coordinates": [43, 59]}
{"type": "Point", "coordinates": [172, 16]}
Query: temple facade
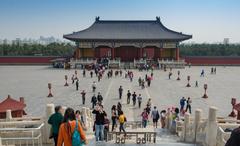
{"type": "Point", "coordinates": [127, 40]}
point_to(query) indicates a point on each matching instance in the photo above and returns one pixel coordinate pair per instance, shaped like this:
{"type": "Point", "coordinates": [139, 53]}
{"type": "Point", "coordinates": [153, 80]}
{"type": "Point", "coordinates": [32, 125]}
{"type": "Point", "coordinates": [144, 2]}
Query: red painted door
{"type": "Point", "coordinates": [127, 53]}
{"type": "Point", "coordinates": [148, 52]}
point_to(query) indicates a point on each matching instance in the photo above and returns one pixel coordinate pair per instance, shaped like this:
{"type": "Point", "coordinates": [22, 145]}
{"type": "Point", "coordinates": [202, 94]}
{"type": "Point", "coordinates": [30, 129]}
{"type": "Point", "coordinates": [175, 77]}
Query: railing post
{"type": "Point", "coordinates": [186, 126]}
{"type": "Point", "coordinates": [8, 115]}
{"type": "Point", "coordinates": [211, 133]}
{"type": "Point", "coordinates": [47, 128]}
{"type": "Point", "coordinates": [197, 121]}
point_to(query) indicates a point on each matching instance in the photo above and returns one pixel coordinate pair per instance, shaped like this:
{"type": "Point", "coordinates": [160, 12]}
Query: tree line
{"type": "Point", "coordinates": [67, 49]}
{"type": "Point", "coordinates": [209, 50]}
{"type": "Point", "coordinates": [52, 49]}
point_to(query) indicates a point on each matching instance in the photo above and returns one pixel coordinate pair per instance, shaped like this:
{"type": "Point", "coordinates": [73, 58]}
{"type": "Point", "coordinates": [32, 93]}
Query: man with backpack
{"type": "Point", "coordinates": [122, 119]}
{"type": "Point", "coordinates": [155, 116]}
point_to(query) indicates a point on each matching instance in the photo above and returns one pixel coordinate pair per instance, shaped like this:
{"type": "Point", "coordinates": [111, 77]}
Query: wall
{"type": "Point", "coordinates": [210, 60]}
{"type": "Point", "coordinates": [26, 60]}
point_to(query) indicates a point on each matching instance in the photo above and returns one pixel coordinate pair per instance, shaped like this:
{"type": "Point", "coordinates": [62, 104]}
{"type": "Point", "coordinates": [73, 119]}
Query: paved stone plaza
{"type": "Point", "coordinates": [31, 83]}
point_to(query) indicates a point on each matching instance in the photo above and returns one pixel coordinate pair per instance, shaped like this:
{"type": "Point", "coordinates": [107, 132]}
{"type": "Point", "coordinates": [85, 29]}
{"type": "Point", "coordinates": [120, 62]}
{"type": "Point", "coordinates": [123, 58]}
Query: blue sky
{"type": "Point", "coordinates": [207, 20]}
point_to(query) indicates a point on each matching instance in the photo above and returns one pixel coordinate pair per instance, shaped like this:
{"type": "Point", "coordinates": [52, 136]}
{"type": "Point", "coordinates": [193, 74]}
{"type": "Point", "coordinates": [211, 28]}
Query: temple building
{"type": "Point", "coordinates": [16, 107]}
{"type": "Point", "coordinates": [127, 40]}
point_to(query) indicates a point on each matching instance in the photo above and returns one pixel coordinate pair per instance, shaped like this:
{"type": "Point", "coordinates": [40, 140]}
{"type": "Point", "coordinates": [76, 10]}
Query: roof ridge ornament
{"type": "Point", "coordinates": [97, 18]}
{"type": "Point", "coordinates": [158, 19]}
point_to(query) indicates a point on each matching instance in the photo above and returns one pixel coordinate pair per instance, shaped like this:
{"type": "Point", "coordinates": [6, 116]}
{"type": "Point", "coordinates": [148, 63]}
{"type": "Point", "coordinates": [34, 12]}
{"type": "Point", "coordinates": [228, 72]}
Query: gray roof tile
{"type": "Point", "coordinates": [127, 30]}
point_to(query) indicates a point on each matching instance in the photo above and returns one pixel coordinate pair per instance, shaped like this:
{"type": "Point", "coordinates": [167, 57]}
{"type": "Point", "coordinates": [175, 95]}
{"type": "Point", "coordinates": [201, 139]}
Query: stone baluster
{"type": "Point", "coordinates": [169, 120]}
{"type": "Point", "coordinates": [47, 128]}
{"type": "Point", "coordinates": [186, 126]}
{"type": "Point", "coordinates": [8, 115]}
{"type": "Point", "coordinates": [211, 133]}
{"type": "Point", "coordinates": [197, 120]}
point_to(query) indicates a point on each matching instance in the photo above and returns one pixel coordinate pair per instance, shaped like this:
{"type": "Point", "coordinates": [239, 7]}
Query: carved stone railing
{"type": "Point", "coordinates": [172, 63]}
{"type": "Point", "coordinates": [223, 136]}
{"type": "Point", "coordinates": [21, 132]}
{"type": "Point", "coordinates": [139, 137]}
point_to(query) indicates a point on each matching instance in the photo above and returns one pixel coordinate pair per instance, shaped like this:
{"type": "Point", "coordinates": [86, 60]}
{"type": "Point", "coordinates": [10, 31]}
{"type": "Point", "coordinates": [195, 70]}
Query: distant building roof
{"type": "Point", "coordinates": [11, 104]}
{"type": "Point", "coordinates": [127, 30]}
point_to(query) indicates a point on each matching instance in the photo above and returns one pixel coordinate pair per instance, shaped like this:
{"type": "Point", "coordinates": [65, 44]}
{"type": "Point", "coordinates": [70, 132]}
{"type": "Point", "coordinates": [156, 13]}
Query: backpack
{"type": "Point", "coordinates": [157, 115]}
{"type": "Point", "coordinates": [76, 138]}
{"type": "Point", "coordinates": [122, 119]}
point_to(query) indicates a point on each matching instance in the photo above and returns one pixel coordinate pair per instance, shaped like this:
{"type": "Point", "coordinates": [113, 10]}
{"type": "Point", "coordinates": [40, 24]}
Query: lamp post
{"type": "Point", "coordinates": [205, 91]}
{"type": "Point", "coordinates": [50, 90]}
{"type": "Point", "coordinates": [233, 102]}
{"type": "Point", "coordinates": [178, 75]}
{"type": "Point", "coordinates": [66, 78]}
{"type": "Point", "coordinates": [188, 78]}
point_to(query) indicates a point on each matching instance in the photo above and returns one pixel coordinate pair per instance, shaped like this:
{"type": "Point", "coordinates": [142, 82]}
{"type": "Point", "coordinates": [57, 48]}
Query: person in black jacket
{"type": "Point", "coordinates": [99, 122]}
{"type": "Point", "coordinates": [234, 139]}
{"type": "Point", "coordinates": [94, 100]}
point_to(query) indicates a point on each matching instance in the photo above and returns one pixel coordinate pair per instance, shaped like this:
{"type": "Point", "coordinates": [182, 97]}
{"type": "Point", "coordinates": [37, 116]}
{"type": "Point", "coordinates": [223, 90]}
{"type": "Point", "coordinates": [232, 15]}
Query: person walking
{"type": "Point", "coordinates": [99, 122]}
{"type": "Point", "coordinates": [91, 74]}
{"type": "Point", "coordinates": [55, 121]}
{"type": "Point", "coordinates": [128, 97]}
{"type": "Point", "coordinates": [69, 126]}
{"type": "Point", "coordinates": [73, 78]}
{"type": "Point", "coordinates": [114, 117]}
{"type": "Point", "coordinates": [77, 84]}
{"type": "Point", "coordinates": [189, 107]}
{"type": "Point", "coordinates": [122, 119]}
{"type": "Point", "coordinates": [84, 73]}
{"type": "Point", "coordinates": [99, 98]}
{"type": "Point", "coordinates": [144, 118]}
{"type": "Point", "coordinates": [94, 86]}
{"type": "Point", "coordinates": [140, 81]}
{"type": "Point", "coordinates": [120, 90]}
{"type": "Point", "coordinates": [134, 98]}
{"type": "Point", "coordinates": [182, 105]}
{"type": "Point", "coordinates": [119, 108]}
{"type": "Point", "coordinates": [202, 73]}
{"type": "Point", "coordinates": [163, 118]}
{"type": "Point", "coordinates": [196, 84]}
{"type": "Point", "coordinates": [94, 101]}
{"type": "Point", "coordinates": [155, 116]}
{"type": "Point", "coordinates": [83, 93]}
{"type": "Point", "coordinates": [139, 98]}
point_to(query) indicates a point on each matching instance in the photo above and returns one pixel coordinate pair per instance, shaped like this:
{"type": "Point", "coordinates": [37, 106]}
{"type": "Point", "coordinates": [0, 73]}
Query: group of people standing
{"type": "Point", "coordinates": [64, 126]}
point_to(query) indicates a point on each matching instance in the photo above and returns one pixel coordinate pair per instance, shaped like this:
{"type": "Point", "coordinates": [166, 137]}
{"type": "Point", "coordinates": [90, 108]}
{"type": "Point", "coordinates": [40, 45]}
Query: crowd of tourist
{"type": "Point", "coordinates": [63, 125]}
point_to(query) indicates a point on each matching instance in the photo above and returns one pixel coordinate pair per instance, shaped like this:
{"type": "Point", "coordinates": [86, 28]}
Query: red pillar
{"type": "Point", "coordinates": [113, 53]}
{"type": "Point", "coordinates": [161, 53]}
{"type": "Point", "coordinates": [78, 53]}
{"type": "Point", "coordinates": [140, 52]}
{"type": "Point", "coordinates": [177, 54]}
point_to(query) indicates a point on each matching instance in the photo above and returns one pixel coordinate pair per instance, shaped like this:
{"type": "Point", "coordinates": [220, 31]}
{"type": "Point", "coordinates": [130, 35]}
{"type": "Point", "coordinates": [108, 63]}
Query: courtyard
{"type": "Point", "coordinates": [31, 82]}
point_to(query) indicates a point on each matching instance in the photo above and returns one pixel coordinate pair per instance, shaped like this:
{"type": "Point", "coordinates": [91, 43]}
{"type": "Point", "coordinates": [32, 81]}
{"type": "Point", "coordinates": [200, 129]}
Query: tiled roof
{"type": "Point", "coordinates": [127, 30]}
{"type": "Point", "coordinates": [11, 104]}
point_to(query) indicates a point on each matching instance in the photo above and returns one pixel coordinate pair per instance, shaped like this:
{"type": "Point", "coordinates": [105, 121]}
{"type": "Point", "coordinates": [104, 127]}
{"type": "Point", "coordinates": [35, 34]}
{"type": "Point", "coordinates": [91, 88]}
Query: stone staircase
{"type": "Point", "coordinates": [164, 138]}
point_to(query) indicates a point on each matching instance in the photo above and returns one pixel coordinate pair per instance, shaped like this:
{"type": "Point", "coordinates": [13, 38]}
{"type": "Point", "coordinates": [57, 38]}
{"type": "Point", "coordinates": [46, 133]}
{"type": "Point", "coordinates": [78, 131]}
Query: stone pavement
{"type": "Point", "coordinates": [31, 83]}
